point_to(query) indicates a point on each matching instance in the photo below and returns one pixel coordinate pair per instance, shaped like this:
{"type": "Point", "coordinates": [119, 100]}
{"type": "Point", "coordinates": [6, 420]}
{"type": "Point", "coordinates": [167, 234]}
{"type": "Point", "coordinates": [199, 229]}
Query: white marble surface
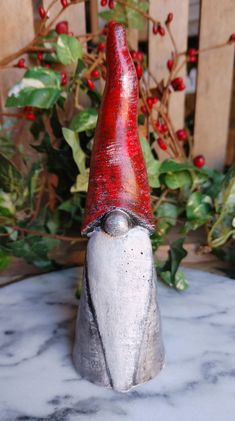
{"type": "Point", "coordinates": [38, 381]}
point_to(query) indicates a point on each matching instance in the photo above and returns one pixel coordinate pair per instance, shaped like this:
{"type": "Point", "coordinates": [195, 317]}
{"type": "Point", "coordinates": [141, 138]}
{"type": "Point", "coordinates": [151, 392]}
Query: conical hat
{"type": "Point", "coordinates": [118, 177]}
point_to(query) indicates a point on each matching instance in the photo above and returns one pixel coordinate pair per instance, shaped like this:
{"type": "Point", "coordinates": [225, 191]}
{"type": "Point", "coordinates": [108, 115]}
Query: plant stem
{"type": "Point", "coordinates": [46, 235]}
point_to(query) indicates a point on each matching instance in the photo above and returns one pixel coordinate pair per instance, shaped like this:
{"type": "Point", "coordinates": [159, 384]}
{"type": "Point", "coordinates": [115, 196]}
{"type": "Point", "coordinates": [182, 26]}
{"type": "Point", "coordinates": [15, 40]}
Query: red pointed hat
{"type": "Point", "coordinates": [118, 177]}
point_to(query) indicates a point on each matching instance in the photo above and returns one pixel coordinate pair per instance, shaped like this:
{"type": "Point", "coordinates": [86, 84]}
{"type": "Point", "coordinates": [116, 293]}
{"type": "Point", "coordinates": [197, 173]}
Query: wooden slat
{"type": "Point", "coordinates": [160, 48]}
{"type": "Point", "coordinates": [214, 81]}
{"type": "Point", "coordinates": [75, 15]}
{"type": "Point", "coordinates": [132, 37]}
{"type": "Point", "coordinates": [14, 34]}
{"type": "Point", "coordinates": [94, 18]}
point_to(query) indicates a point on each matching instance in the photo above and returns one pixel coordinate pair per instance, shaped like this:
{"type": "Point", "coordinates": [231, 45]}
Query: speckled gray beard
{"type": "Point", "coordinates": [118, 333]}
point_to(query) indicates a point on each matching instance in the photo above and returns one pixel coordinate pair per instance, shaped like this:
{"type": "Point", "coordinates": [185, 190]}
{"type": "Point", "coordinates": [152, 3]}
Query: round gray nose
{"type": "Point", "coordinates": [117, 223]}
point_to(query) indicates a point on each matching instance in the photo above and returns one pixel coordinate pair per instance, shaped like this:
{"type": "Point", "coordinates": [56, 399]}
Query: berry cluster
{"type": "Point", "coordinates": [42, 12]}
{"type": "Point", "coordinates": [109, 3]}
{"type": "Point", "coordinates": [158, 29]}
{"type": "Point", "coordinates": [166, 135]}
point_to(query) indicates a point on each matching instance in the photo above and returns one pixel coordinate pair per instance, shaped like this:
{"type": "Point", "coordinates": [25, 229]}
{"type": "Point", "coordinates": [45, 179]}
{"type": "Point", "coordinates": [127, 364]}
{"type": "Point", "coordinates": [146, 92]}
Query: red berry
{"type": "Point", "coordinates": [63, 78]}
{"type": "Point", "coordinates": [178, 84]}
{"type": "Point", "coordinates": [164, 128]}
{"type": "Point", "coordinates": [21, 63]}
{"type": "Point", "coordinates": [150, 102]}
{"type": "Point", "coordinates": [95, 74]}
{"type": "Point", "coordinates": [47, 66]}
{"type": "Point", "coordinates": [182, 135]}
{"type": "Point", "coordinates": [40, 56]}
{"type": "Point", "coordinates": [162, 144]}
{"type": "Point", "coordinates": [154, 99]}
{"type": "Point", "coordinates": [139, 70]}
{"type": "Point", "coordinates": [101, 47]}
{"type": "Point", "coordinates": [139, 56]}
{"type": "Point", "coordinates": [64, 3]}
{"type": "Point", "coordinates": [103, 3]}
{"type": "Point", "coordinates": [42, 12]}
{"type": "Point", "coordinates": [170, 64]}
{"type": "Point", "coordinates": [169, 18]}
{"type": "Point", "coordinates": [161, 127]}
{"type": "Point", "coordinates": [232, 38]}
{"type": "Point", "coordinates": [192, 55]}
{"type": "Point", "coordinates": [133, 54]}
{"type": "Point", "coordinates": [143, 109]}
{"type": "Point", "coordinates": [30, 116]}
{"type": "Point", "coordinates": [111, 4]}
{"type": "Point", "coordinates": [192, 59]}
{"type": "Point", "coordinates": [161, 30]}
{"type": "Point", "coordinates": [62, 27]}
{"type": "Point", "coordinates": [199, 161]}
{"type": "Point", "coordinates": [90, 84]}
{"type": "Point", "coordinates": [155, 28]}
{"type": "Point", "coordinates": [192, 52]}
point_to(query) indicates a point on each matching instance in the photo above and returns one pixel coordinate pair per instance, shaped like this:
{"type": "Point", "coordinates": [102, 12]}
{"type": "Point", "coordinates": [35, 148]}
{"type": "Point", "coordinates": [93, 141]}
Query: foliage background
{"type": "Point", "coordinates": [42, 200]}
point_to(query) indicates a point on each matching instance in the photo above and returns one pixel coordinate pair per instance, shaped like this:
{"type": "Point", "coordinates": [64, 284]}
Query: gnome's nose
{"type": "Point", "coordinates": [117, 223]}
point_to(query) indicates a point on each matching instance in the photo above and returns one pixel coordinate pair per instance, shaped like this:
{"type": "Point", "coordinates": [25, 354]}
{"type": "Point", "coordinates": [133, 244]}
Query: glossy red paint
{"type": "Point", "coordinates": [118, 177]}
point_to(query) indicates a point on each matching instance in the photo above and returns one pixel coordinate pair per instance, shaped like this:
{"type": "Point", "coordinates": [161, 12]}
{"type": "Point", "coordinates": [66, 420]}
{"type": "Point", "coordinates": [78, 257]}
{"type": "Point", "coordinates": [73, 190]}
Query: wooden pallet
{"type": "Point", "coordinates": [215, 68]}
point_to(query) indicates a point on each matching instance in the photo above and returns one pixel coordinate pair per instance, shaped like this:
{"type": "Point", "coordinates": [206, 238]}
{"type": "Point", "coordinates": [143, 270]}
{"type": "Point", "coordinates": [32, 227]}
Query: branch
{"type": "Point", "coordinates": [45, 234]}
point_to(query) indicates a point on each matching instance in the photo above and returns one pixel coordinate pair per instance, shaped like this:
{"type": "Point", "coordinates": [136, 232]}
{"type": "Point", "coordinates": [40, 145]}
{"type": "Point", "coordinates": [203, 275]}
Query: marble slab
{"type": "Point", "coordinates": [38, 381]}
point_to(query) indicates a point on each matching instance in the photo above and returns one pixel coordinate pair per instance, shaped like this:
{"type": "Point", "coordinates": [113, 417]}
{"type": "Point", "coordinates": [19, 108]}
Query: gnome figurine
{"type": "Point", "coordinates": [118, 333]}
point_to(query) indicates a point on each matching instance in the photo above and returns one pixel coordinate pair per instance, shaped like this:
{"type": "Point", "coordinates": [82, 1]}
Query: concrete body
{"type": "Point", "coordinates": [118, 333]}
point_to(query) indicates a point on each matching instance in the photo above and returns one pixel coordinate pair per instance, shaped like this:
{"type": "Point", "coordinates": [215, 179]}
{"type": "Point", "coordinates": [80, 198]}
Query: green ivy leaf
{"type": "Point", "coordinates": [198, 210]}
{"type": "Point", "coordinates": [78, 155]}
{"type": "Point", "coordinates": [171, 166]}
{"type": "Point", "coordinates": [224, 225]}
{"type": "Point", "coordinates": [72, 206]}
{"type": "Point", "coordinates": [34, 180]}
{"type": "Point", "coordinates": [35, 250]}
{"type": "Point", "coordinates": [169, 271]}
{"type": "Point", "coordinates": [13, 234]}
{"type": "Point", "coordinates": [5, 260]}
{"type": "Point", "coordinates": [211, 181]}
{"type": "Point", "coordinates": [79, 69]}
{"type": "Point", "coordinates": [166, 216]}
{"type": "Point", "coordinates": [39, 88]}
{"type": "Point", "coordinates": [7, 207]}
{"type": "Point", "coordinates": [84, 120]}
{"type": "Point", "coordinates": [178, 179]}
{"type": "Point", "coordinates": [118, 12]}
{"type": "Point", "coordinates": [11, 180]}
{"type": "Point", "coordinates": [81, 183]}
{"type": "Point", "coordinates": [7, 144]}
{"type": "Point", "coordinates": [68, 49]}
{"type": "Point", "coordinates": [151, 163]}
{"type": "Point", "coordinates": [181, 283]}
{"type": "Point", "coordinates": [127, 15]}
{"type": "Point", "coordinates": [135, 19]}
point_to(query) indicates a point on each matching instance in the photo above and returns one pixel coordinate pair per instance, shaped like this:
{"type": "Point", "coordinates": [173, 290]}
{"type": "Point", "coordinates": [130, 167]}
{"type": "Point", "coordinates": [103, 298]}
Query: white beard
{"type": "Point", "coordinates": [118, 333]}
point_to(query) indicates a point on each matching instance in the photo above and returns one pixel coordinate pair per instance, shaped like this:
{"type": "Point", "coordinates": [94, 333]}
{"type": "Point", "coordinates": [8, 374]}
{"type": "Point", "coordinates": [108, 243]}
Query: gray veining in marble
{"type": "Point", "coordinates": [38, 381]}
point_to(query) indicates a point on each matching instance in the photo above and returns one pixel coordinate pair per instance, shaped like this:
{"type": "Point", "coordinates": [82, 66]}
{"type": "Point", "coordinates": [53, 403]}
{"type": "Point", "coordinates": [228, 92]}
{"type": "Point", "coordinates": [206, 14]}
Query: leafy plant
{"type": "Point", "coordinates": [43, 182]}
